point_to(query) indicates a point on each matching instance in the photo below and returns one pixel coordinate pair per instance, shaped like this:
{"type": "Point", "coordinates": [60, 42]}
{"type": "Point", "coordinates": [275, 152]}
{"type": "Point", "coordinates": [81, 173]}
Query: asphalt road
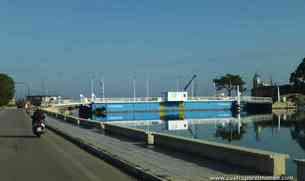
{"type": "Point", "coordinates": [23, 157]}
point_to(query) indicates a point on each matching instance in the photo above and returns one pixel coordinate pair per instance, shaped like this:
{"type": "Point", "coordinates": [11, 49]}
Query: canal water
{"type": "Point", "coordinates": [282, 132]}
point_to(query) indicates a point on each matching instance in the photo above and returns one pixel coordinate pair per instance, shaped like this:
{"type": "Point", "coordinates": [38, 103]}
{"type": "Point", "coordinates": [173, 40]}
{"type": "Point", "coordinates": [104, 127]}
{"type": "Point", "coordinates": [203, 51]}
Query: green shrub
{"type": "Point", "coordinates": [7, 89]}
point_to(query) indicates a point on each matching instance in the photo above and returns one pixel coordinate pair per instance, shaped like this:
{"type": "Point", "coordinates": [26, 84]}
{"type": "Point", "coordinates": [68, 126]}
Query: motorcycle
{"type": "Point", "coordinates": [39, 128]}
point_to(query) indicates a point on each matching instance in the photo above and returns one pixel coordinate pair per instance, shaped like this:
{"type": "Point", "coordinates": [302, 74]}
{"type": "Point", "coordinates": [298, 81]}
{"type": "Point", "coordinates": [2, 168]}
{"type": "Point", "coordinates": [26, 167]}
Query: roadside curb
{"type": "Point", "coordinates": [134, 170]}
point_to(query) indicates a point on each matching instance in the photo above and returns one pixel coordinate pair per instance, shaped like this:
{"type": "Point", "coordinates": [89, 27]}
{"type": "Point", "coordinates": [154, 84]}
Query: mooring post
{"type": "Point", "coordinates": [300, 169]}
{"type": "Point", "coordinates": [78, 121]}
{"type": "Point", "coordinates": [150, 138]}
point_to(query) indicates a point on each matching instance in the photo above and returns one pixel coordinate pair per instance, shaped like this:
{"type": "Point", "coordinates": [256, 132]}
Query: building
{"type": "Point", "coordinates": [39, 100]}
{"type": "Point", "coordinates": [263, 89]}
{"type": "Point", "coordinates": [258, 82]}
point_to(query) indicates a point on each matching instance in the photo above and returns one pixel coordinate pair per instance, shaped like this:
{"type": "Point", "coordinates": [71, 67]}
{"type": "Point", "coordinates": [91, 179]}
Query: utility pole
{"type": "Point", "coordinates": [179, 83]}
{"type": "Point", "coordinates": [230, 91]}
{"type": "Point", "coordinates": [278, 94]}
{"type": "Point", "coordinates": [147, 87]}
{"type": "Point", "coordinates": [102, 84]}
{"type": "Point", "coordinates": [239, 123]}
{"type": "Point", "coordinates": [103, 87]}
{"type": "Point", "coordinates": [279, 123]}
{"type": "Point", "coordinates": [196, 89]}
{"type": "Point", "coordinates": [215, 89]}
{"type": "Point", "coordinates": [238, 97]}
{"type": "Point", "coordinates": [134, 88]}
{"type": "Point", "coordinates": [92, 89]}
{"type": "Point", "coordinates": [43, 86]}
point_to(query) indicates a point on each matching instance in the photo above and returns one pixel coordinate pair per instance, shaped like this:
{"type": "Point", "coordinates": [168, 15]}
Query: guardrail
{"type": "Point", "coordinates": [263, 162]}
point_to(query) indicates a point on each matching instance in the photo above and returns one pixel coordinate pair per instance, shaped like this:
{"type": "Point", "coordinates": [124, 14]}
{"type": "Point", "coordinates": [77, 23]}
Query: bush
{"type": "Point", "coordinates": [7, 89]}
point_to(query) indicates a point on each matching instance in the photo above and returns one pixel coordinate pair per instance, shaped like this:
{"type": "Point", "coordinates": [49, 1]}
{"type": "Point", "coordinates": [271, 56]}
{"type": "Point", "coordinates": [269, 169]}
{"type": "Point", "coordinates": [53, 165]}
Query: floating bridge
{"type": "Point", "coordinates": [170, 103]}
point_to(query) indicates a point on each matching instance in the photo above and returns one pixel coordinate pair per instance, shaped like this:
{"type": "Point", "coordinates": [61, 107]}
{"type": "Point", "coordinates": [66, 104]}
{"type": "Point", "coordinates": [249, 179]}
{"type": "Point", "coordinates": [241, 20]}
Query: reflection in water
{"type": "Point", "coordinates": [297, 128]}
{"type": "Point", "coordinates": [135, 116]}
{"type": "Point", "coordinates": [174, 125]}
{"type": "Point", "coordinates": [295, 122]}
{"type": "Point", "coordinates": [298, 134]}
{"type": "Point", "coordinates": [231, 130]}
{"type": "Point", "coordinates": [258, 132]}
{"type": "Point", "coordinates": [279, 132]}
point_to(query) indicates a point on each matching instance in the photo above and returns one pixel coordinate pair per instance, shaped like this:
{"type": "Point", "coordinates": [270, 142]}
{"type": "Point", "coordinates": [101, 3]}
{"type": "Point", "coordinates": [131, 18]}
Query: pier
{"type": "Point", "coordinates": [95, 108]}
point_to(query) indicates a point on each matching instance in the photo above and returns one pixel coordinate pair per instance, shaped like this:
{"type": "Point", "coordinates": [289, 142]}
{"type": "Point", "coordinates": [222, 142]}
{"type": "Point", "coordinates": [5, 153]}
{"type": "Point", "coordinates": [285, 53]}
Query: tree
{"type": "Point", "coordinates": [7, 89]}
{"type": "Point", "coordinates": [298, 76]}
{"type": "Point", "coordinates": [230, 83]}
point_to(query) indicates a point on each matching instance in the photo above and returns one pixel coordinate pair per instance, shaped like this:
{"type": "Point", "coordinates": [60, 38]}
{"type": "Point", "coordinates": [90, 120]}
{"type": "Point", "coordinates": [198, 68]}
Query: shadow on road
{"type": "Point", "coordinates": [18, 136]}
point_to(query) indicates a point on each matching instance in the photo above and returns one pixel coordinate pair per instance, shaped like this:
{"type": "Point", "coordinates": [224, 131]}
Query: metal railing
{"type": "Point", "coordinates": [161, 99]}
{"type": "Point", "coordinates": [128, 99]}
{"type": "Point", "coordinates": [63, 104]}
{"type": "Point", "coordinates": [256, 99]}
{"type": "Point", "coordinates": [211, 98]}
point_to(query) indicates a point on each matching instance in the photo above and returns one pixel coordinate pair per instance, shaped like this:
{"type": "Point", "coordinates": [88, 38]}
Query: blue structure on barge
{"type": "Point", "coordinates": [118, 107]}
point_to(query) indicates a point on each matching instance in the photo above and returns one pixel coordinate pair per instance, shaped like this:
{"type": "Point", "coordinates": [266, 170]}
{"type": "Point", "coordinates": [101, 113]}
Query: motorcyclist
{"type": "Point", "coordinates": [38, 125]}
{"type": "Point", "coordinates": [38, 116]}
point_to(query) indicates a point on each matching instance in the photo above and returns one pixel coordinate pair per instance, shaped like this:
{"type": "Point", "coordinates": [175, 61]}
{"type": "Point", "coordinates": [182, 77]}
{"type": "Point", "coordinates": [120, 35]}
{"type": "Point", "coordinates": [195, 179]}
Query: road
{"type": "Point", "coordinates": [24, 157]}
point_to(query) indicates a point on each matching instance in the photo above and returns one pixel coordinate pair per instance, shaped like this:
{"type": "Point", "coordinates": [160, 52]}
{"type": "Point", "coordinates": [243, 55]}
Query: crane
{"type": "Point", "coordinates": [190, 82]}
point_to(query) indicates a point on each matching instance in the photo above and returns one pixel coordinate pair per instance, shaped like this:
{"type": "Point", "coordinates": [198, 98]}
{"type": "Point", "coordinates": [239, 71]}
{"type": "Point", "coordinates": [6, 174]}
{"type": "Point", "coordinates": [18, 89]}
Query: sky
{"type": "Point", "coordinates": [58, 46]}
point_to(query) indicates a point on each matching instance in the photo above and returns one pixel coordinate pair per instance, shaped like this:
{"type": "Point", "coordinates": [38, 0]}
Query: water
{"type": "Point", "coordinates": [280, 132]}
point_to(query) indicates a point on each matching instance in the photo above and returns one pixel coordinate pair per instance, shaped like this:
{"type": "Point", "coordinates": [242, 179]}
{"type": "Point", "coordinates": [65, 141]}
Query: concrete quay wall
{"type": "Point", "coordinates": [264, 162]}
{"type": "Point", "coordinates": [130, 133]}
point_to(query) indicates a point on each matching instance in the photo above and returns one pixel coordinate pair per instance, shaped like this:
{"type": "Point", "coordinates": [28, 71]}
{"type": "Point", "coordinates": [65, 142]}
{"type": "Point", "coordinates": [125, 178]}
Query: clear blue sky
{"type": "Point", "coordinates": [64, 41]}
